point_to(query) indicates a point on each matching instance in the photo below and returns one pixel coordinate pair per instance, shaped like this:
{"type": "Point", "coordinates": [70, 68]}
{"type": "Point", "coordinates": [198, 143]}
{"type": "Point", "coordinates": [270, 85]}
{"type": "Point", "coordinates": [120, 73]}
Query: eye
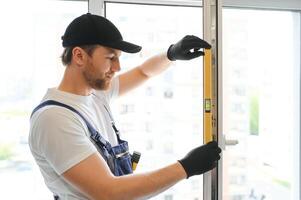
{"type": "Point", "coordinates": [110, 58]}
{"type": "Point", "coordinates": [114, 58]}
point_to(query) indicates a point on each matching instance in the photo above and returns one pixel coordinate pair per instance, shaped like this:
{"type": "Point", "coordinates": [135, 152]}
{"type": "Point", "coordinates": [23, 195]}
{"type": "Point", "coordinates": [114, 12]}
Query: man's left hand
{"type": "Point", "coordinates": [187, 48]}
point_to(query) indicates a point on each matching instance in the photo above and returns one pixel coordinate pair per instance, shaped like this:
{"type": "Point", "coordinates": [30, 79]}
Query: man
{"type": "Point", "coordinates": [73, 137]}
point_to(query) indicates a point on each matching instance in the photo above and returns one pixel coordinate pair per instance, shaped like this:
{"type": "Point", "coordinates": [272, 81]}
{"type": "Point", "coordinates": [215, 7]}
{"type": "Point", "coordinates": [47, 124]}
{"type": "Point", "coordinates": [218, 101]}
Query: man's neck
{"type": "Point", "coordinates": [74, 83]}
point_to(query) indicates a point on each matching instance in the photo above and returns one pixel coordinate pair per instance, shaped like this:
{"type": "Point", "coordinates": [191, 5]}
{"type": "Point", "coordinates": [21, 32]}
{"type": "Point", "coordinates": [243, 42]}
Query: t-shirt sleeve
{"type": "Point", "coordinates": [62, 139]}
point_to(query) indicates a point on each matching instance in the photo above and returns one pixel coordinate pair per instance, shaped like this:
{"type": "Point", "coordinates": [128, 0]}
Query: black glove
{"type": "Point", "coordinates": [187, 48]}
{"type": "Point", "coordinates": [201, 159]}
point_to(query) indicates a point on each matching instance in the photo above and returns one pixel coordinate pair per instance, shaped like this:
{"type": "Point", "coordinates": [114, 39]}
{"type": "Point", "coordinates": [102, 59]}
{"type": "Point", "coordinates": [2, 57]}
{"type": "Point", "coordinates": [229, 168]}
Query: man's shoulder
{"type": "Point", "coordinates": [54, 115]}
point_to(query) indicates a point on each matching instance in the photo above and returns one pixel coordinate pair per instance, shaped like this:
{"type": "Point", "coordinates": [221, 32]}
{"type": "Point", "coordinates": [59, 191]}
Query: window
{"type": "Point", "coordinates": [166, 109]}
{"type": "Point", "coordinates": [261, 80]}
{"type": "Point", "coordinates": [30, 63]}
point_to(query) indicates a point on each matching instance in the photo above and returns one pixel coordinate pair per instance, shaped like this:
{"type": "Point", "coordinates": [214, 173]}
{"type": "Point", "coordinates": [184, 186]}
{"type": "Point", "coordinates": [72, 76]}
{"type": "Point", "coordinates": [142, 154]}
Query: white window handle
{"type": "Point", "coordinates": [228, 142]}
{"type": "Point", "coordinates": [231, 142]}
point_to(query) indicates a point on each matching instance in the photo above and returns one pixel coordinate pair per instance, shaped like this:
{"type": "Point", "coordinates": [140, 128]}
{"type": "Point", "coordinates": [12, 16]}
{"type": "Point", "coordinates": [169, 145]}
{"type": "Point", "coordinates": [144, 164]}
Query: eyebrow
{"type": "Point", "coordinates": [112, 51]}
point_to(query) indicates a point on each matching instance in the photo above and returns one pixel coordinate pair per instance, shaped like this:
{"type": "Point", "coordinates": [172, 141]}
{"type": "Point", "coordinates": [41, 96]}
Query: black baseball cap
{"type": "Point", "coordinates": [89, 29]}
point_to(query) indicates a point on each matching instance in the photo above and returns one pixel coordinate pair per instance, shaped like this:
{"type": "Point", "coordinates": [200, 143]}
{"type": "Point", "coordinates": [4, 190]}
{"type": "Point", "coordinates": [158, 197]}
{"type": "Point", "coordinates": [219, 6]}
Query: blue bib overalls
{"type": "Point", "coordinates": [118, 157]}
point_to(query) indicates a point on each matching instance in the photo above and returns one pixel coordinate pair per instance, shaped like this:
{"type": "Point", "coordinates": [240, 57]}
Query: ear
{"type": "Point", "coordinates": [79, 56]}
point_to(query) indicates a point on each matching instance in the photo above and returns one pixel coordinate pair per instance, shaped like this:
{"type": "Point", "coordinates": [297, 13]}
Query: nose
{"type": "Point", "coordinates": [116, 65]}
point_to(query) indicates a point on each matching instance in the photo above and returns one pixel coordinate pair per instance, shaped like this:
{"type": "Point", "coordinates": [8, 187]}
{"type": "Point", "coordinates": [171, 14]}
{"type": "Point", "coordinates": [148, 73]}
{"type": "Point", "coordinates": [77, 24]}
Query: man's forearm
{"type": "Point", "coordinates": [146, 185]}
{"type": "Point", "coordinates": [155, 65]}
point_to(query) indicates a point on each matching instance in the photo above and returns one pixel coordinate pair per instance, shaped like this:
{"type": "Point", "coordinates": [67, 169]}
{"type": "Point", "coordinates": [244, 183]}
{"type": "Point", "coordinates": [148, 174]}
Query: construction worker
{"type": "Point", "coordinates": [73, 137]}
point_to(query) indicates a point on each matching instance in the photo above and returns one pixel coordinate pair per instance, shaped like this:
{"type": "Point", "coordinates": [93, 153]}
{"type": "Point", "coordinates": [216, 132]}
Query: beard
{"type": "Point", "coordinates": [97, 81]}
{"type": "Point", "coordinates": [101, 84]}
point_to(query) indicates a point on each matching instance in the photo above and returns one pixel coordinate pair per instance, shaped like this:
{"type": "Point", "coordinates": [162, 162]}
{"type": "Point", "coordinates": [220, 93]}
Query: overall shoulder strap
{"type": "Point", "coordinates": [94, 134]}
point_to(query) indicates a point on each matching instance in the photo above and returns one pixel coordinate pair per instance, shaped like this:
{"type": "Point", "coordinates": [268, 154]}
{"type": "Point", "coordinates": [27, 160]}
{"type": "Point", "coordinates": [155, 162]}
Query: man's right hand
{"type": "Point", "coordinates": [201, 159]}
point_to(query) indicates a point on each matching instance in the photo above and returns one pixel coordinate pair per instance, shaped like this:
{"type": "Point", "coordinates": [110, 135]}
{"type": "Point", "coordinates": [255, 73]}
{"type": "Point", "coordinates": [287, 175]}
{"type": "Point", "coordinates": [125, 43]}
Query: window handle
{"type": "Point", "coordinates": [231, 142]}
{"type": "Point", "coordinates": [226, 142]}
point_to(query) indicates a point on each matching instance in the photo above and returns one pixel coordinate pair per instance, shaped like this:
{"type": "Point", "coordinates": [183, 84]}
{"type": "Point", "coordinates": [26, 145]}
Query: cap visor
{"type": "Point", "coordinates": [126, 47]}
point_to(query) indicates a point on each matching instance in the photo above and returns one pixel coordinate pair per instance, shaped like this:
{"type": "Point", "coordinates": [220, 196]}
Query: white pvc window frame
{"type": "Point", "coordinates": [97, 6]}
{"type": "Point", "coordinates": [293, 5]}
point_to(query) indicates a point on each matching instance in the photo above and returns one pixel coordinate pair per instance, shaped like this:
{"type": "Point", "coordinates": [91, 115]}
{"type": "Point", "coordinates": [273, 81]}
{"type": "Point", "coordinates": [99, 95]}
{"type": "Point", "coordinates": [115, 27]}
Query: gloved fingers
{"type": "Point", "coordinates": [195, 54]}
{"type": "Point", "coordinates": [217, 151]}
{"type": "Point", "coordinates": [214, 155]}
{"type": "Point", "coordinates": [192, 37]}
{"type": "Point", "coordinates": [212, 144]}
{"type": "Point", "coordinates": [191, 45]}
{"type": "Point", "coordinates": [193, 41]}
{"type": "Point", "coordinates": [217, 158]}
{"type": "Point", "coordinates": [194, 49]}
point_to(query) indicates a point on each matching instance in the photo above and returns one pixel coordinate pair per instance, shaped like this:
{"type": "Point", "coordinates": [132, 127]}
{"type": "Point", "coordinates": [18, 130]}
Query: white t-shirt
{"type": "Point", "coordinates": [59, 138]}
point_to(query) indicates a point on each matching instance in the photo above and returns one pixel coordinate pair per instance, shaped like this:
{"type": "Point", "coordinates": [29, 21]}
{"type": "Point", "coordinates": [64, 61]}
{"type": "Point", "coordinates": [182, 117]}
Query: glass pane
{"type": "Point", "coordinates": [261, 103]}
{"type": "Point", "coordinates": [163, 118]}
{"type": "Point", "coordinates": [30, 63]}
